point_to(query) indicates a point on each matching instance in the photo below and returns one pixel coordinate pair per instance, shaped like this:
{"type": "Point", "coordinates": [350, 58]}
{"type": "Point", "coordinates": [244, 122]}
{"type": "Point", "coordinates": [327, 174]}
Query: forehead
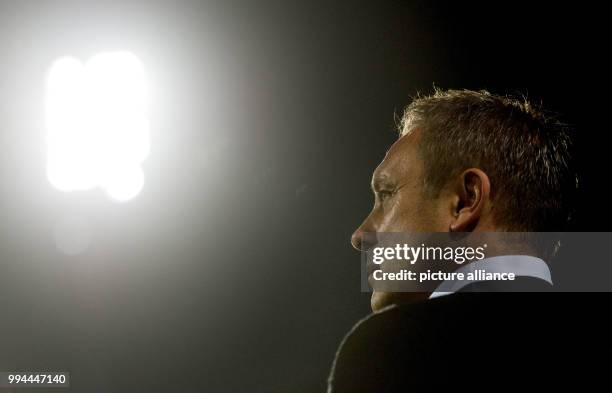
{"type": "Point", "coordinates": [402, 159]}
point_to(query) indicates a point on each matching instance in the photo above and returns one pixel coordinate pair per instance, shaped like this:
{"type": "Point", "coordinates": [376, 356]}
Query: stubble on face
{"type": "Point", "coordinates": [400, 205]}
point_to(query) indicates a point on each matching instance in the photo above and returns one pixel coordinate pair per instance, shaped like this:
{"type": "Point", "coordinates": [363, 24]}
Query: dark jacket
{"type": "Point", "coordinates": [477, 340]}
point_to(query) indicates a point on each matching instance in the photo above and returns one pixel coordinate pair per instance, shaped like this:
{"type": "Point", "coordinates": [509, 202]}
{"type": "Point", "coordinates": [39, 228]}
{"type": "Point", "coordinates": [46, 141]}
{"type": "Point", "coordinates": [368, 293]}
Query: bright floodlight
{"type": "Point", "coordinates": [97, 129]}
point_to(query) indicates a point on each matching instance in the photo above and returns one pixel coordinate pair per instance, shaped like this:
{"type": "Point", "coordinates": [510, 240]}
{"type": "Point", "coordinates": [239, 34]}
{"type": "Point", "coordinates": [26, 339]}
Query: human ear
{"type": "Point", "coordinates": [472, 191]}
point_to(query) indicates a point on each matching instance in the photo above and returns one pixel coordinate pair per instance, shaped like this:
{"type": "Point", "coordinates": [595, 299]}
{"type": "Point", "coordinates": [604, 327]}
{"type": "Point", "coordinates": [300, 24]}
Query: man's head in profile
{"type": "Point", "coordinates": [471, 161]}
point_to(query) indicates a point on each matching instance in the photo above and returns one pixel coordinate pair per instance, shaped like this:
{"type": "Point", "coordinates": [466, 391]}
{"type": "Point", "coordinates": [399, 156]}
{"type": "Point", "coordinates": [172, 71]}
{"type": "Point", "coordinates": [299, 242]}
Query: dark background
{"type": "Point", "coordinates": [232, 270]}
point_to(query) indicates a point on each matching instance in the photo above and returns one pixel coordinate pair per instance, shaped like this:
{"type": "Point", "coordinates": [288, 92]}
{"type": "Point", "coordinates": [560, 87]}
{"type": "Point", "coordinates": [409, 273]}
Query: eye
{"type": "Point", "coordinates": [383, 195]}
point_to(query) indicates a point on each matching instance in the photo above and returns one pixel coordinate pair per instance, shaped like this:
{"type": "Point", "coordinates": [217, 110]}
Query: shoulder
{"type": "Point", "coordinates": [404, 344]}
{"type": "Point", "coordinates": [378, 350]}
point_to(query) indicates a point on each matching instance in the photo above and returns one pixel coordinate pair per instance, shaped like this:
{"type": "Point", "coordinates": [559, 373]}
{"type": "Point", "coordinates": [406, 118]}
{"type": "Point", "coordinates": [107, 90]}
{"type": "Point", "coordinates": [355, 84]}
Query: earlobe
{"type": "Point", "coordinates": [472, 194]}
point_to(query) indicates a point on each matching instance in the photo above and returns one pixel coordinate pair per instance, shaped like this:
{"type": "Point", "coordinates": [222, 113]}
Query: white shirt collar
{"type": "Point", "coordinates": [520, 265]}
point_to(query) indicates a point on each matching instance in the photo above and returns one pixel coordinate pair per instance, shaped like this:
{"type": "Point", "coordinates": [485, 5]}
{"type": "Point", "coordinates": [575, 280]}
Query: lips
{"type": "Point", "coordinates": [372, 267]}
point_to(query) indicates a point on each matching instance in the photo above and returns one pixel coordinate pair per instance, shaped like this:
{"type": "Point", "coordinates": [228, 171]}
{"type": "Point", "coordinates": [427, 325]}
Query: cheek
{"type": "Point", "coordinates": [397, 215]}
{"type": "Point", "coordinates": [411, 212]}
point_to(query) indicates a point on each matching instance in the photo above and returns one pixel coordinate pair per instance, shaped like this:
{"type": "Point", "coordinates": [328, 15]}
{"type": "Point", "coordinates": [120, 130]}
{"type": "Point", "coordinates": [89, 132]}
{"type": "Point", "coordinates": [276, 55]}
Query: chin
{"type": "Point", "coordinates": [380, 300]}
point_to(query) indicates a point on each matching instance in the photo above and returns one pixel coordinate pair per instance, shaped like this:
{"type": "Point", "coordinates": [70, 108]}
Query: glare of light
{"type": "Point", "coordinates": [72, 235]}
{"type": "Point", "coordinates": [97, 125]}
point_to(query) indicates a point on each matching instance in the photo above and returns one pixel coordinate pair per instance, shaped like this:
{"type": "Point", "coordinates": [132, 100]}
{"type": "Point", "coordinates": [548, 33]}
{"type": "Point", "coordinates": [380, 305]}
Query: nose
{"type": "Point", "coordinates": [356, 239]}
{"type": "Point", "coordinates": [364, 238]}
